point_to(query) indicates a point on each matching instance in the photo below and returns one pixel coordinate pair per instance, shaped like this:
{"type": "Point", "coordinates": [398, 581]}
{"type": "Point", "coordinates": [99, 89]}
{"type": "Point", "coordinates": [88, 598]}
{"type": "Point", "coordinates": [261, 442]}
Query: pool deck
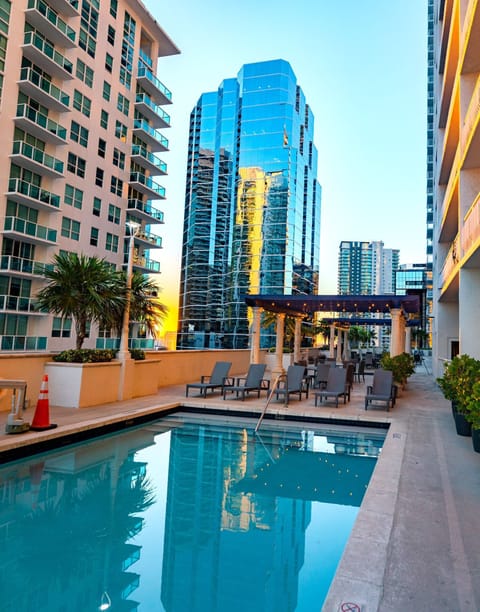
{"type": "Point", "coordinates": [415, 545]}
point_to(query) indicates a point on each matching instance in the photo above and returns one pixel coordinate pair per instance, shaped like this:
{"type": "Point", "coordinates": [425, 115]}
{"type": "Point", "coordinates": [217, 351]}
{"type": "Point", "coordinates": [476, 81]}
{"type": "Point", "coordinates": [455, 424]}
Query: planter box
{"type": "Point", "coordinates": [476, 440]}
{"type": "Point", "coordinates": [463, 427]}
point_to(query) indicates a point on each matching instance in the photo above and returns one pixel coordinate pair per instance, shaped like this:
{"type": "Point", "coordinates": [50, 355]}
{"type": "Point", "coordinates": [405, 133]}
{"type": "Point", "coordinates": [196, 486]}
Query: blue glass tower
{"type": "Point", "coordinates": [252, 204]}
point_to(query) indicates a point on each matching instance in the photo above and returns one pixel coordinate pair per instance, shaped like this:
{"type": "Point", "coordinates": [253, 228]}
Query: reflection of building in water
{"type": "Point", "coordinates": [220, 539]}
{"type": "Point", "coordinates": [65, 523]}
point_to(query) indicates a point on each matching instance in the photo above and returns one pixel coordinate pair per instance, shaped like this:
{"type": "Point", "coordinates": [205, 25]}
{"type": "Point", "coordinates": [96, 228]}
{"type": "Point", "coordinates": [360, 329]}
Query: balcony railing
{"type": "Point", "coordinates": [27, 193]}
{"type": "Point", "coordinates": [11, 263]}
{"type": "Point", "coordinates": [154, 113]}
{"type": "Point", "coordinates": [44, 18]}
{"type": "Point", "coordinates": [153, 86]}
{"type": "Point", "coordinates": [146, 264]}
{"type": "Point", "coordinates": [153, 189]}
{"type": "Point", "coordinates": [150, 161]}
{"type": "Point", "coordinates": [48, 129]}
{"type": "Point", "coordinates": [145, 211]}
{"type": "Point", "coordinates": [157, 141]}
{"type": "Point", "coordinates": [152, 240]}
{"type": "Point", "coordinates": [66, 7]}
{"type": "Point", "coordinates": [451, 260]}
{"type": "Point", "coordinates": [114, 343]}
{"type": "Point", "coordinates": [32, 82]}
{"type": "Point", "coordinates": [44, 54]}
{"type": "Point", "coordinates": [30, 229]}
{"type": "Point", "coordinates": [40, 159]}
{"type": "Point", "coordinates": [146, 58]}
{"type": "Point", "coordinates": [23, 343]}
{"type": "Point", "coordinates": [17, 303]}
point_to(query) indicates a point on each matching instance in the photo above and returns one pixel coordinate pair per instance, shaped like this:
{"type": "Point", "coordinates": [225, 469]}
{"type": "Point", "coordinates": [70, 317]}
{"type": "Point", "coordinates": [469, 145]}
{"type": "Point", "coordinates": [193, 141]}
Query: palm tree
{"type": "Point", "coordinates": [86, 289]}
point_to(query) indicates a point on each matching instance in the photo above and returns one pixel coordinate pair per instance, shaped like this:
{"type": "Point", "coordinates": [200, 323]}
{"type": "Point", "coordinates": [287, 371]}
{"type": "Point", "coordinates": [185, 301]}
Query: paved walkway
{"type": "Point", "coordinates": [415, 546]}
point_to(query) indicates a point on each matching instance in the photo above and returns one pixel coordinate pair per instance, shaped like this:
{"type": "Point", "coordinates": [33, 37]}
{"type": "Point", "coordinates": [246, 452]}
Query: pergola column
{"type": "Point", "coordinates": [297, 339]}
{"type": "Point", "coordinates": [255, 335]}
{"type": "Point", "coordinates": [278, 369]}
{"type": "Point", "coordinates": [408, 339]}
{"type": "Point", "coordinates": [340, 341]}
{"type": "Point", "coordinates": [331, 344]}
{"type": "Point", "coordinates": [397, 339]}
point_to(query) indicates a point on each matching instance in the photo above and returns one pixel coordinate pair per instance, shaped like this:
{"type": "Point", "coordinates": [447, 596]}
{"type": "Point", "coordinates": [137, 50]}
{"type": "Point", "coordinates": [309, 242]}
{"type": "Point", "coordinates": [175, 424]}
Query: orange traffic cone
{"type": "Point", "coordinates": [41, 419]}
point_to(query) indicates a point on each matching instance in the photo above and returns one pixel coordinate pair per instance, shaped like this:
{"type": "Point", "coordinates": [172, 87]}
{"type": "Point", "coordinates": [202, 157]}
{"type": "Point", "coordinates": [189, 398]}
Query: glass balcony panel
{"type": "Point", "coordinates": [147, 265]}
{"type": "Point", "coordinates": [155, 140]}
{"type": "Point", "coordinates": [32, 195]}
{"type": "Point", "coordinates": [154, 113]}
{"type": "Point", "coordinates": [48, 22]}
{"type": "Point", "coordinates": [23, 266]}
{"type": "Point", "coordinates": [17, 303]}
{"type": "Point", "coordinates": [152, 240]}
{"type": "Point", "coordinates": [145, 185]}
{"type": "Point", "coordinates": [35, 85]}
{"type": "Point", "coordinates": [141, 155]}
{"type": "Point", "coordinates": [39, 125]}
{"type": "Point", "coordinates": [23, 343]}
{"type": "Point", "coordinates": [44, 55]}
{"type": "Point", "coordinates": [31, 232]}
{"type": "Point", "coordinates": [153, 86]}
{"type": "Point", "coordinates": [69, 8]}
{"type": "Point", "coordinates": [139, 209]}
{"type": "Point", "coordinates": [35, 159]}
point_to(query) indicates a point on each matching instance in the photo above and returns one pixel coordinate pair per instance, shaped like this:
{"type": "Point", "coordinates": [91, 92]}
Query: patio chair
{"type": "Point", "coordinates": [360, 373]}
{"type": "Point", "coordinates": [337, 387]}
{"type": "Point", "coordinates": [321, 375]}
{"type": "Point", "coordinates": [252, 382]}
{"type": "Point", "coordinates": [293, 382]}
{"type": "Point", "coordinates": [217, 379]}
{"type": "Point", "coordinates": [382, 389]}
{"type": "Point", "coordinates": [350, 378]}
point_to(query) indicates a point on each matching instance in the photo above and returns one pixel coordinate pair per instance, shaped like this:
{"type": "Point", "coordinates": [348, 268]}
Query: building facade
{"type": "Point", "coordinates": [81, 110]}
{"type": "Point", "coordinates": [456, 176]}
{"type": "Point", "coordinates": [252, 204]}
{"type": "Point", "coordinates": [415, 279]}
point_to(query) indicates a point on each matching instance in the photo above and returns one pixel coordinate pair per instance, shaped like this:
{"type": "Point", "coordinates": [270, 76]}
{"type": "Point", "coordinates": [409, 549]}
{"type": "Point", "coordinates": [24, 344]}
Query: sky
{"type": "Point", "coordinates": [362, 67]}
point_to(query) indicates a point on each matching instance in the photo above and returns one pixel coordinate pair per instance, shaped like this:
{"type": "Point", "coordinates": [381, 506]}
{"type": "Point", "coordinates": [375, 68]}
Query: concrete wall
{"type": "Point", "coordinates": [23, 366]}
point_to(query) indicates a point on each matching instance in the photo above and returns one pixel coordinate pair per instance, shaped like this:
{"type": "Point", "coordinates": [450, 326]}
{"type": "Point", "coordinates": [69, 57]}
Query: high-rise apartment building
{"type": "Point", "coordinates": [456, 204]}
{"type": "Point", "coordinates": [81, 110]}
{"type": "Point", "coordinates": [252, 204]}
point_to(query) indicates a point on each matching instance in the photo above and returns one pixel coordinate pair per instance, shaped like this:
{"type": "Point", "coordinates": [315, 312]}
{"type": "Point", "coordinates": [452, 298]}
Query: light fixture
{"type": "Point", "coordinates": [105, 601]}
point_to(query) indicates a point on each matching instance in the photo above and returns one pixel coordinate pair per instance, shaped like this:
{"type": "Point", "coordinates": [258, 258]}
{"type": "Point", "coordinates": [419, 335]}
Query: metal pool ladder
{"type": "Point", "coordinates": [269, 399]}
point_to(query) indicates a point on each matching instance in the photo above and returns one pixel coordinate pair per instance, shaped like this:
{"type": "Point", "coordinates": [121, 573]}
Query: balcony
{"type": "Point", "coordinates": [155, 114]}
{"type": "Point", "coordinates": [34, 159]}
{"type": "Point", "coordinates": [145, 211]}
{"type": "Point", "coordinates": [20, 229]}
{"type": "Point", "coordinates": [153, 86]}
{"type": "Point", "coordinates": [151, 137]}
{"type": "Point", "coordinates": [147, 160]}
{"type": "Point", "coordinates": [19, 266]}
{"type": "Point", "coordinates": [46, 20]}
{"type": "Point", "coordinates": [37, 86]}
{"type": "Point", "coordinates": [43, 54]}
{"type": "Point", "coordinates": [470, 135]}
{"type": "Point", "coordinates": [145, 265]}
{"type": "Point", "coordinates": [15, 303]}
{"type": "Point", "coordinates": [31, 195]}
{"type": "Point", "coordinates": [70, 8]}
{"type": "Point", "coordinates": [149, 240]}
{"type": "Point", "coordinates": [39, 125]}
{"type": "Point", "coordinates": [145, 185]}
{"type": "Point", "coordinates": [23, 343]}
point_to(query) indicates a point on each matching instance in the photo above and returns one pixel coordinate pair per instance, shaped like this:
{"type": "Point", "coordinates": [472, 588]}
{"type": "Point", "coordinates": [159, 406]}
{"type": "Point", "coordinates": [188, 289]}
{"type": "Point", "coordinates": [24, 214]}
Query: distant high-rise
{"type": "Point", "coordinates": [455, 76]}
{"type": "Point", "coordinates": [252, 204]}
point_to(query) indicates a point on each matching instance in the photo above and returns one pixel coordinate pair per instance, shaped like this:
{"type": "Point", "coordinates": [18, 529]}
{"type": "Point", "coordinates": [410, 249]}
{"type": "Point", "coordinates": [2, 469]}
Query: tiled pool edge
{"type": "Point", "coordinates": [360, 573]}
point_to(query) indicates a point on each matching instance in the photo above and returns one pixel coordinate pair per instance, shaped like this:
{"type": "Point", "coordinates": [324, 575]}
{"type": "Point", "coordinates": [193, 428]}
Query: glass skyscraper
{"type": "Point", "coordinates": [252, 204]}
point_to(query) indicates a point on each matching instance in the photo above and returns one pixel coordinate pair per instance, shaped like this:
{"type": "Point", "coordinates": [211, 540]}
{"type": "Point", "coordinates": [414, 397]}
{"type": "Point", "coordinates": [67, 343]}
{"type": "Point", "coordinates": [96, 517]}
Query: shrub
{"type": "Point", "coordinates": [458, 380]}
{"type": "Point", "coordinates": [402, 366]}
{"type": "Point", "coordinates": [137, 354]}
{"type": "Point", "coordinates": [85, 356]}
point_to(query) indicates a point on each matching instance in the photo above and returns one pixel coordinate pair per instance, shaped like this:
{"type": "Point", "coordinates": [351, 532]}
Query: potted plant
{"type": "Point", "coordinates": [459, 377]}
{"type": "Point", "coordinates": [402, 366]}
{"type": "Point", "coordinates": [473, 415]}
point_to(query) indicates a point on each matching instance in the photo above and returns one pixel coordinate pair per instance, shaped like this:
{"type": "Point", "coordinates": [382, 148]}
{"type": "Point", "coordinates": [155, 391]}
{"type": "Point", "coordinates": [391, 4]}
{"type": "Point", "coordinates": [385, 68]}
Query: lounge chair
{"type": "Point", "coordinates": [217, 379]}
{"type": "Point", "coordinates": [382, 389]}
{"type": "Point", "coordinates": [293, 382]}
{"type": "Point", "coordinates": [321, 375]}
{"type": "Point", "coordinates": [360, 373]}
{"type": "Point", "coordinates": [252, 382]}
{"type": "Point", "coordinates": [337, 387]}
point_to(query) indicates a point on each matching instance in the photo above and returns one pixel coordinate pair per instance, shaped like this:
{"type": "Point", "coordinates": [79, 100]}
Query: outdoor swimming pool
{"type": "Point", "coordinates": [186, 514]}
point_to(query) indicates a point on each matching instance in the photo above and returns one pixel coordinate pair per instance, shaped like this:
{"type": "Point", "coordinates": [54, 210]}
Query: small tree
{"type": "Point", "coordinates": [86, 289]}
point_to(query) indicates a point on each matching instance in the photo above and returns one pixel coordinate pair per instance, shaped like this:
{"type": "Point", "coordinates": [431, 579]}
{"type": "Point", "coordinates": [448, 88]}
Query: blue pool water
{"type": "Point", "coordinates": [187, 514]}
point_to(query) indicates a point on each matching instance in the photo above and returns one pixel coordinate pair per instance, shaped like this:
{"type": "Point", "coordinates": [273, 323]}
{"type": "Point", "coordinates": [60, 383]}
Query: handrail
{"type": "Point", "coordinates": [269, 398]}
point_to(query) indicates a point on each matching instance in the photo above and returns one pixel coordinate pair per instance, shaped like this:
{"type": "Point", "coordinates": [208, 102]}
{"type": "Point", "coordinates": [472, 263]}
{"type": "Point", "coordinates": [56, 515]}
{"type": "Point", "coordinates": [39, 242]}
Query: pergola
{"type": "Point", "coordinates": [402, 309]}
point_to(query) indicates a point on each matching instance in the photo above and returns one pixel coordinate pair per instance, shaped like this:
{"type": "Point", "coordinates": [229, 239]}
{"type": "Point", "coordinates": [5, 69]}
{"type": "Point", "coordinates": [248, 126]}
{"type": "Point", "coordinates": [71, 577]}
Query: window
{"type": "Point", "coordinates": [116, 186]}
{"type": "Point", "coordinates": [121, 131]}
{"type": "Point", "coordinates": [99, 177]}
{"type": "Point", "coordinates": [82, 103]}
{"type": "Point", "coordinates": [113, 8]}
{"type": "Point", "coordinates": [102, 147]}
{"type": "Point", "coordinates": [111, 35]}
{"type": "Point", "coordinates": [76, 165]}
{"type": "Point", "coordinates": [111, 243]}
{"type": "Point", "coordinates": [97, 206]}
{"type": "Point", "coordinates": [94, 236]}
{"type": "Point", "coordinates": [114, 213]}
{"type": "Point", "coordinates": [84, 73]}
{"type": "Point", "coordinates": [61, 328]}
{"type": "Point", "coordinates": [79, 134]}
{"type": "Point", "coordinates": [123, 104]}
{"type": "Point", "coordinates": [119, 159]}
{"type": "Point", "coordinates": [106, 90]}
{"type": "Point", "coordinates": [104, 119]}
{"type": "Point", "coordinates": [73, 196]}
{"type": "Point", "coordinates": [70, 228]}
{"type": "Point", "coordinates": [108, 62]}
